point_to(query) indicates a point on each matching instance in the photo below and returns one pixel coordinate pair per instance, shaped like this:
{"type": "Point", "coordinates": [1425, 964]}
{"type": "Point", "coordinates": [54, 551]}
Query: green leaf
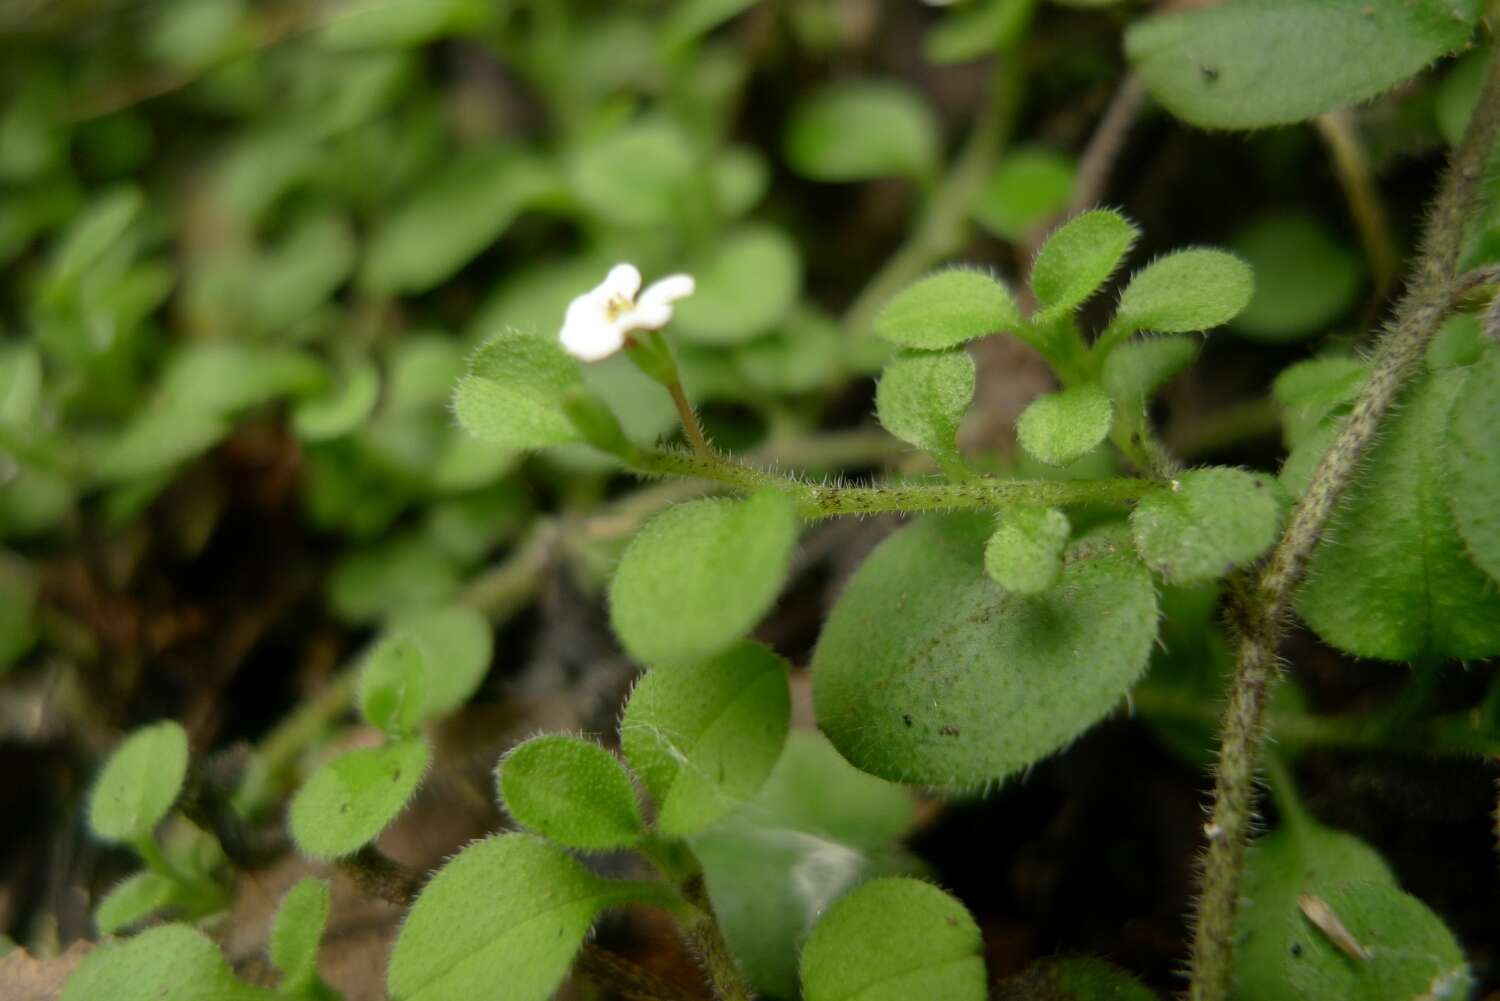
{"type": "Point", "coordinates": [393, 685]}
{"type": "Point", "coordinates": [858, 130]}
{"type": "Point", "coordinates": [302, 272]}
{"type": "Point", "coordinates": [974, 30]}
{"type": "Point", "coordinates": [1062, 427]}
{"type": "Point", "coordinates": [508, 912]}
{"type": "Point", "coordinates": [170, 963]}
{"type": "Point", "coordinates": [1474, 464]}
{"type": "Point", "coordinates": [894, 939]}
{"type": "Point", "coordinates": [1072, 978]}
{"type": "Point", "coordinates": [1025, 553]}
{"type": "Point", "coordinates": [957, 683]}
{"type": "Point", "coordinates": [700, 575]}
{"type": "Point", "coordinates": [1077, 259]}
{"type": "Point", "coordinates": [946, 309]}
{"type": "Point", "coordinates": [378, 24]}
{"type": "Point", "coordinates": [158, 439]}
{"type": "Point", "coordinates": [298, 930]}
{"type": "Point", "coordinates": [400, 572]}
{"type": "Point", "coordinates": [922, 398]}
{"type": "Point", "coordinates": [452, 218]}
{"type": "Point", "coordinates": [1207, 523]}
{"type": "Point", "coordinates": [1029, 186]}
{"type": "Point", "coordinates": [1392, 578]}
{"type": "Point", "coordinates": [1302, 857]}
{"type": "Point", "coordinates": [138, 896]}
{"type": "Point", "coordinates": [1412, 954]}
{"type": "Point", "coordinates": [140, 782]}
{"type": "Point", "coordinates": [571, 791]}
{"type": "Point", "coordinates": [225, 377]}
{"type": "Point", "coordinates": [342, 408]}
{"type": "Point", "coordinates": [1251, 64]}
{"type": "Point", "coordinates": [1305, 280]}
{"type": "Point", "coordinates": [743, 289]}
{"type": "Point", "coordinates": [1134, 371]}
{"type": "Point", "coordinates": [348, 801]}
{"type": "Point", "coordinates": [703, 737]}
{"type": "Point", "coordinates": [512, 395]}
{"type": "Point", "coordinates": [691, 18]}
{"type": "Point", "coordinates": [641, 175]}
{"type": "Point", "coordinates": [457, 643]}
{"type": "Point", "coordinates": [816, 828]}
{"type": "Point", "coordinates": [1311, 391]}
{"type": "Point", "coordinates": [1184, 291]}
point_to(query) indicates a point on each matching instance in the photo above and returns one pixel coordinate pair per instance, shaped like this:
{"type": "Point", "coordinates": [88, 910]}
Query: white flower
{"type": "Point", "coordinates": [598, 322]}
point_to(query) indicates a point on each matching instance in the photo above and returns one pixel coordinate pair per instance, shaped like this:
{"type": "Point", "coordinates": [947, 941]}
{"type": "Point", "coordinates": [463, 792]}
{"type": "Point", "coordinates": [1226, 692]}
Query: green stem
{"type": "Point", "coordinates": [825, 500]}
{"type": "Point", "coordinates": [690, 423]}
{"type": "Point", "coordinates": [1260, 607]}
{"type": "Point", "coordinates": [940, 231]}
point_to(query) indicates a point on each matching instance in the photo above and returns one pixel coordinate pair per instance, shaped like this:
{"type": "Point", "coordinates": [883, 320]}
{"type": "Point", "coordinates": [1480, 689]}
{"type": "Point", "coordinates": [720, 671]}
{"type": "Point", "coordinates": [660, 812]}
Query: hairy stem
{"type": "Point", "coordinates": [719, 964]}
{"type": "Point", "coordinates": [1259, 607]}
{"type": "Point", "coordinates": [825, 500]}
{"type": "Point", "coordinates": [689, 417]}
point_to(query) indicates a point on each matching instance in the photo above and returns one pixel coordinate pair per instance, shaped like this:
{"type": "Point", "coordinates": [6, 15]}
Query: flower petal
{"type": "Point", "coordinates": [668, 290]}
{"type": "Point", "coordinates": [592, 339]}
{"type": "Point", "coordinates": [622, 282]}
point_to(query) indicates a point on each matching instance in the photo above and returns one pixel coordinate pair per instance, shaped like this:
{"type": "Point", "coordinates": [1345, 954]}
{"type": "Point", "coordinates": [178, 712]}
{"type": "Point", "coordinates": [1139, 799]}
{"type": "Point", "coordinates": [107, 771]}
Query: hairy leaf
{"type": "Point", "coordinates": [946, 309]}
{"type": "Point", "coordinates": [1186, 290]}
{"type": "Point", "coordinates": [891, 940]}
{"type": "Point", "coordinates": [704, 736]}
{"type": "Point", "coordinates": [298, 930]}
{"type": "Point", "coordinates": [922, 398]}
{"type": "Point", "coordinates": [393, 685]}
{"type": "Point", "coordinates": [351, 799]}
{"type": "Point", "coordinates": [1061, 427]}
{"type": "Point", "coordinates": [699, 576]}
{"type": "Point", "coordinates": [1025, 552]}
{"type": "Point", "coordinates": [1078, 258]}
{"type": "Point", "coordinates": [1474, 464]}
{"type": "Point", "coordinates": [169, 963]}
{"type": "Point", "coordinates": [1207, 523]}
{"type": "Point", "coordinates": [140, 782]}
{"type": "Point", "coordinates": [1249, 64]}
{"type": "Point", "coordinates": [512, 395]}
{"type": "Point", "coordinates": [928, 672]}
{"type": "Point", "coordinates": [572, 791]}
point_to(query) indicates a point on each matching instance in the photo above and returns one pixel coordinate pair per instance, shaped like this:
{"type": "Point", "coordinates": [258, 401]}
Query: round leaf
{"type": "Point", "coordinates": [748, 285]}
{"type": "Point", "coordinates": [457, 643]}
{"type": "Point", "coordinates": [1028, 187]}
{"type": "Point", "coordinates": [1411, 954]}
{"type": "Point", "coordinates": [1060, 428]}
{"type": "Point", "coordinates": [1184, 291]}
{"type": "Point", "coordinates": [860, 130]}
{"type": "Point", "coordinates": [1305, 280]}
{"type": "Point", "coordinates": [572, 791]}
{"type": "Point", "coordinates": [892, 940]}
{"type": "Point", "coordinates": [351, 799]}
{"type": "Point", "coordinates": [704, 736]}
{"type": "Point", "coordinates": [169, 963]}
{"type": "Point", "coordinates": [1208, 522]}
{"type": "Point", "coordinates": [136, 897]}
{"type": "Point", "coordinates": [1025, 553]}
{"type": "Point", "coordinates": [1250, 64]}
{"type": "Point", "coordinates": [140, 782]}
{"type": "Point", "coordinates": [393, 685]}
{"type": "Point", "coordinates": [1474, 464]}
{"type": "Point", "coordinates": [1392, 578]}
{"type": "Point", "coordinates": [637, 176]}
{"type": "Point", "coordinates": [341, 410]}
{"type": "Point", "coordinates": [928, 672]}
{"type": "Point", "coordinates": [512, 395]}
{"type": "Point", "coordinates": [922, 398]}
{"type": "Point", "coordinates": [946, 309]}
{"type": "Point", "coordinates": [698, 576]}
{"type": "Point", "coordinates": [1302, 858]}
{"type": "Point", "coordinates": [452, 218]}
{"type": "Point", "coordinates": [1078, 258]}
{"type": "Point", "coordinates": [506, 915]}
{"type": "Point", "coordinates": [299, 929]}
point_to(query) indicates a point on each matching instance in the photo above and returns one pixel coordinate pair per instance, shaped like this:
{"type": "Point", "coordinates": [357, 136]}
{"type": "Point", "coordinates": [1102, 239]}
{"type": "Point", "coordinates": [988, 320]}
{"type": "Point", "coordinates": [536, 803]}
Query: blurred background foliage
{"type": "Point", "coordinates": [247, 246]}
